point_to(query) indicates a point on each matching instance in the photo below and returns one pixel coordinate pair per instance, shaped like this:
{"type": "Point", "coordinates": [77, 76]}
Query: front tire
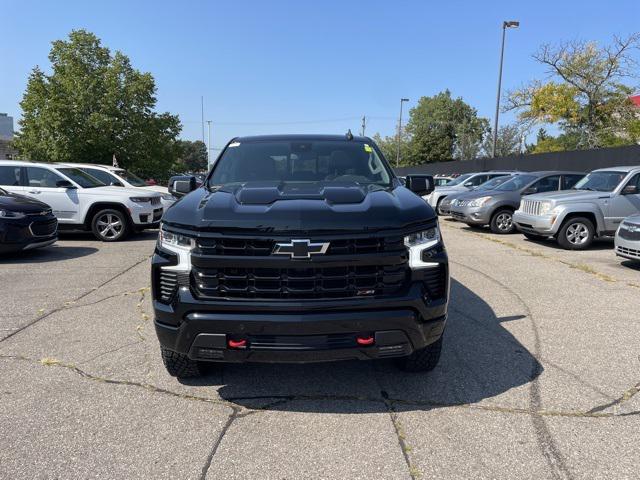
{"type": "Point", "coordinates": [110, 225]}
{"type": "Point", "coordinates": [179, 365]}
{"type": "Point", "coordinates": [502, 222]}
{"type": "Point", "coordinates": [577, 233]}
{"type": "Point", "coordinates": [422, 360]}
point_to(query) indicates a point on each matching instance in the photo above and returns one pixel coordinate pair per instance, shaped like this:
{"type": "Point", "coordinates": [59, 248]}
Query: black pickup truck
{"type": "Point", "coordinates": [300, 248]}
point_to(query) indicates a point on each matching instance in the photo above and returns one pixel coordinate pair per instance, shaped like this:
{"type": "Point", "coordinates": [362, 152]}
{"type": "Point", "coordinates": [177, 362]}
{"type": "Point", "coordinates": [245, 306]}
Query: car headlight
{"type": "Point", "coordinates": [479, 202]}
{"type": "Point", "coordinates": [10, 214]}
{"type": "Point", "coordinates": [545, 207]}
{"type": "Point", "coordinates": [178, 244]}
{"type": "Point", "coordinates": [140, 199]}
{"type": "Point", "coordinates": [418, 242]}
{"type": "Point", "coordinates": [168, 197]}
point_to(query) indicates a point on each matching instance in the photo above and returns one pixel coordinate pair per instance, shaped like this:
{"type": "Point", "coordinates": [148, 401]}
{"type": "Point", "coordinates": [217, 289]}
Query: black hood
{"type": "Point", "coordinates": [300, 207]}
{"type": "Point", "coordinates": [20, 203]}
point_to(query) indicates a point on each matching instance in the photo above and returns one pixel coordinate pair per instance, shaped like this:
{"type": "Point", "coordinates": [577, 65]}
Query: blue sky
{"type": "Point", "coordinates": [308, 67]}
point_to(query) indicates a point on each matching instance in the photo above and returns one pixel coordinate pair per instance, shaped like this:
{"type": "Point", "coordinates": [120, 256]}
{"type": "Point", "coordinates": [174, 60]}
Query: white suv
{"type": "Point", "coordinates": [119, 177]}
{"type": "Point", "coordinates": [81, 202]}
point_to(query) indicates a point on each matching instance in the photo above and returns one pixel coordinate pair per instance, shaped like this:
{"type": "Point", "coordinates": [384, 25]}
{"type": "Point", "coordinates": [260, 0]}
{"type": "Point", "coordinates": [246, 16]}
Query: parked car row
{"type": "Point", "coordinates": [570, 207]}
{"type": "Point", "coordinates": [108, 201]}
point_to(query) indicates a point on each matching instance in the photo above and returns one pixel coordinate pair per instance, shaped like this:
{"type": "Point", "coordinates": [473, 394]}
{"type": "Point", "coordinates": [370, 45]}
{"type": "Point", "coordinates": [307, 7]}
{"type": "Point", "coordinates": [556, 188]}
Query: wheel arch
{"type": "Point", "coordinates": [96, 207]}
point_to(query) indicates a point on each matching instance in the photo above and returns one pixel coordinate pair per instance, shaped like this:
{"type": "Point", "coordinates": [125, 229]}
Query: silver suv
{"type": "Point", "coordinates": [594, 207]}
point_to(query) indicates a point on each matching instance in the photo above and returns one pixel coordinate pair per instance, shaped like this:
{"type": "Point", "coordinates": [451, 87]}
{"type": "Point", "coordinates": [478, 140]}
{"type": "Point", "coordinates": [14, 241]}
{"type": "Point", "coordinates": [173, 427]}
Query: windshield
{"type": "Point", "coordinates": [459, 180]}
{"type": "Point", "coordinates": [600, 181]}
{"type": "Point", "coordinates": [515, 183]}
{"type": "Point", "coordinates": [81, 178]}
{"type": "Point", "coordinates": [131, 178]}
{"type": "Point", "coordinates": [493, 183]}
{"type": "Point", "coordinates": [300, 161]}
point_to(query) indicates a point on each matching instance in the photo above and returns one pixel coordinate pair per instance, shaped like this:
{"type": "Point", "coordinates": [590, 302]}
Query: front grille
{"type": "Point", "coordinates": [531, 207]}
{"type": "Point", "coordinates": [435, 281]}
{"type": "Point", "coordinates": [629, 251]}
{"type": "Point", "coordinates": [156, 200]}
{"type": "Point", "coordinates": [304, 282]}
{"type": "Point", "coordinates": [248, 247]}
{"type": "Point", "coordinates": [44, 229]}
{"type": "Point", "coordinates": [303, 342]}
{"type": "Point", "coordinates": [630, 235]}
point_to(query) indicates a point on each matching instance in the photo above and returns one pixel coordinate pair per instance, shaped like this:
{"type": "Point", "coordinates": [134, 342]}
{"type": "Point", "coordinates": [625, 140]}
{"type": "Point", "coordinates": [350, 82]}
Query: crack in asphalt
{"type": "Point", "coordinates": [232, 417]}
{"type": "Point", "coordinates": [625, 397]}
{"type": "Point", "coordinates": [66, 304]}
{"type": "Point", "coordinates": [546, 442]}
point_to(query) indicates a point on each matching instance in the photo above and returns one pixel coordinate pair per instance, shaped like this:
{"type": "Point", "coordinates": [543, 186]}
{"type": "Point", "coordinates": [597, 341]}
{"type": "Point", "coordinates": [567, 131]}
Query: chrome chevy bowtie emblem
{"type": "Point", "coordinates": [300, 248]}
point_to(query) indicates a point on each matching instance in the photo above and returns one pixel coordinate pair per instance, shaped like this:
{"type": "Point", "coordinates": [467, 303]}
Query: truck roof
{"type": "Point", "coordinates": [300, 137]}
{"type": "Point", "coordinates": [624, 168]}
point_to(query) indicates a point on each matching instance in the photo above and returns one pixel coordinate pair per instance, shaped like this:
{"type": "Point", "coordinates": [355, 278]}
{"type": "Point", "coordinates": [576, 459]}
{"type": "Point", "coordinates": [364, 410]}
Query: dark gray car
{"type": "Point", "coordinates": [495, 207]}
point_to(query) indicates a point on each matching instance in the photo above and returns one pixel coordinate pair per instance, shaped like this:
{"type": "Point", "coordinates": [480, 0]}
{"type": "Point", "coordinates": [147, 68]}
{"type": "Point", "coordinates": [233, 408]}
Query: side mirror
{"type": "Point", "coordinates": [181, 185]}
{"type": "Point", "coordinates": [630, 190]}
{"type": "Point", "coordinates": [65, 184]}
{"type": "Point", "coordinates": [468, 184]}
{"type": "Point", "coordinates": [420, 184]}
{"type": "Point", "coordinates": [529, 191]}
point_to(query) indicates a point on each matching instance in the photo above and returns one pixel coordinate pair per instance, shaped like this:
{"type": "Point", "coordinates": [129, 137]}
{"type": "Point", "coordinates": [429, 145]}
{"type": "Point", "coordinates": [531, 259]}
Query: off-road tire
{"type": "Point", "coordinates": [101, 219]}
{"type": "Point", "coordinates": [497, 223]}
{"type": "Point", "coordinates": [179, 365]}
{"type": "Point", "coordinates": [565, 230]}
{"type": "Point", "coordinates": [422, 360]}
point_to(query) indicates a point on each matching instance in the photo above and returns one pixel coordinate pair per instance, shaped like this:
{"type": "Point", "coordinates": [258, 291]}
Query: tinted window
{"type": "Point", "coordinates": [132, 179]}
{"type": "Point", "coordinates": [42, 177]}
{"type": "Point", "coordinates": [81, 178]}
{"type": "Point", "coordinates": [478, 180]}
{"type": "Point", "coordinates": [300, 161]}
{"type": "Point", "coordinates": [547, 184]}
{"type": "Point", "coordinates": [568, 181]}
{"type": "Point", "coordinates": [10, 176]}
{"type": "Point", "coordinates": [601, 181]}
{"type": "Point", "coordinates": [101, 175]}
{"type": "Point", "coordinates": [459, 180]}
{"type": "Point", "coordinates": [635, 180]}
{"type": "Point", "coordinates": [516, 183]}
{"type": "Point", "coordinates": [493, 183]}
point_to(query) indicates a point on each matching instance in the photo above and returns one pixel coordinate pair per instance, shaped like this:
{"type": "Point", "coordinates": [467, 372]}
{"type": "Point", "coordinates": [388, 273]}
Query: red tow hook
{"type": "Point", "coordinates": [368, 340]}
{"type": "Point", "coordinates": [237, 343]}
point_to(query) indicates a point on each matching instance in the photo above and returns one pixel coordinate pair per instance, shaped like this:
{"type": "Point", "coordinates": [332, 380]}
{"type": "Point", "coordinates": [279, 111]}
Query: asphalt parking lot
{"type": "Point", "coordinates": [538, 379]}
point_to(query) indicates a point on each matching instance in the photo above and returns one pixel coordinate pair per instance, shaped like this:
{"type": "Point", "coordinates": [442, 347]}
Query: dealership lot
{"type": "Point", "coordinates": [538, 378]}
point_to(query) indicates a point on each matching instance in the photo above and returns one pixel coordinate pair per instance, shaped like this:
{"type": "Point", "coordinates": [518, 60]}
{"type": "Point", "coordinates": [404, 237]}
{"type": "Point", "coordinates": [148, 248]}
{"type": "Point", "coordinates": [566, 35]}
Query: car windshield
{"type": "Point", "coordinates": [600, 181]}
{"type": "Point", "coordinates": [131, 178]}
{"type": "Point", "coordinates": [300, 161]}
{"type": "Point", "coordinates": [493, 183]}
{"type": "Point", "coordinates": [81, 178]}
{"type": "Point", "coordinates": [459, 180]}
{"type": "Point", "coordinates": [515, 183]}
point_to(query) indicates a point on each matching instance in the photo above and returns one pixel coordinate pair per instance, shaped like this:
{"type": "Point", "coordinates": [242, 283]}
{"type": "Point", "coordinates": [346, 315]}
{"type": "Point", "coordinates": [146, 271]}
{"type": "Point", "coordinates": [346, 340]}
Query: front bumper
{"type": "Point", "coordinates": [303, 330]}
{"type": "Point", "coordinates": [471, 215]}
{"type": "Point", "coordinates": [629, 249]}
{"type": "Point", "coordinates": [536, 224]}
{"type": "Point", "coordinates": [147, 216]}
{"type": "Point", "coordinates": [23, 234]}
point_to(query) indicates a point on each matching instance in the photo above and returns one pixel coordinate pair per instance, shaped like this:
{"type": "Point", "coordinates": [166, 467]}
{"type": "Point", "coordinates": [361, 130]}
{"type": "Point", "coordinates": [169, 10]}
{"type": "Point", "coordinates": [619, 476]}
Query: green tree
{"type": "Point", "coordinates": [586, 97]}
{"type": "Point", "coordinates": [508, 141]}
{"type": "Point", "coordinates": [193, 155]}
{"type": "Point", "coordinates": [95, 105]}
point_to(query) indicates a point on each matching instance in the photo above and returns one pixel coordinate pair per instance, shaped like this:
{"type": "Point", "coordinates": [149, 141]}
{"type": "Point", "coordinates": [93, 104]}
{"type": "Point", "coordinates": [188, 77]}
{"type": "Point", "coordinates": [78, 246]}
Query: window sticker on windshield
{"type": "Point", "coordinates": [367, 148]}
{"type": "Point", "coordinates": [234, 144]}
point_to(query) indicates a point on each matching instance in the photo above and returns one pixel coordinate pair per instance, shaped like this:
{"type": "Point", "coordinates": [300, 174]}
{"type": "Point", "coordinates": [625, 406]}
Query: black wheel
{"type": "Point", "coordinates": [534, 237]}
{"type": "Point", "coordinates": [422, 360]}
{"type": "Point", "coordinates": [110, 225]}
{"type": "Point", "coordinates": [179, 365]}
{"type": "Point", "coordinates": [576, 233]}
{"type": "Point", "coordinates": [502, 222]}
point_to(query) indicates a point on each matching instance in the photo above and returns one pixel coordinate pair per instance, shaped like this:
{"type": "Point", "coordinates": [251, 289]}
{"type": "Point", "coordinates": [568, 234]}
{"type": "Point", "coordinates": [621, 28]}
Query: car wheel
{"type": "Point", "coordinates": [438, 206]}
{"type": "Point", "coordinates": [110, 225]}
{"type": "Point", "coordinates": [576, 234]}
{"type": "Point", "coordinates": [533, 237]}
{"type": "Point", "coordinates": [179, 365]}
{"type": "Point", "coordinates": [502, 222]}
{"type": "Point", "coordinates": [422, 360]}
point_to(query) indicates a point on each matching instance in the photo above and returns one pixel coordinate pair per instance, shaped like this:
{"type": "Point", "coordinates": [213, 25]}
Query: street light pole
{"type": "Point", "coordinates": [402, 100]}
{"type": "Point", "coordinates": [209, 144]}
{"type": "Point", "coordinates": [505, 25]}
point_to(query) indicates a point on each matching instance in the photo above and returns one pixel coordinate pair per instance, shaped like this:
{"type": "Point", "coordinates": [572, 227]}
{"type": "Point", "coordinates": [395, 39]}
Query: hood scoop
{"type": "Point", "coordinates": [266, 194]}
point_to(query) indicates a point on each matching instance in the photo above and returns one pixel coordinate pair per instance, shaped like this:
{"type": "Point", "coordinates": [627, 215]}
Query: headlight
{"type": "Point", "coordinates": [168, 197]}
{"type": "Point", "coordinates": [479, 202]}
{"type": "Point", "coordinates": [140, 199]}
{"type": "Point", "coordinates": [10, 214]}
{"type": "Point", "coordinates": [545, 207]}
{"type": "Point", "coordinates": [418, 242]}
{"type": "Point", "coordinates": [178, 244]}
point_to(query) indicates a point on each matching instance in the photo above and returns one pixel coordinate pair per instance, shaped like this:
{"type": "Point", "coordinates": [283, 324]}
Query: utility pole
{"type": "Point", "coordinates": [202, 116]}
{"type": "Point", "coordinates": [505, 25]}
{"type": "Point", "coordinates": [402, 100]}
{"type": "Point", "coordinates": [209, 144]}
{"type": "Point", "coordinates": [364, 124]}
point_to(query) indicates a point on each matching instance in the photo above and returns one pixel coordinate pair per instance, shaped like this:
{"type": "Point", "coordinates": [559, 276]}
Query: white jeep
{"type": "Point", "coordinates": [81, 202]}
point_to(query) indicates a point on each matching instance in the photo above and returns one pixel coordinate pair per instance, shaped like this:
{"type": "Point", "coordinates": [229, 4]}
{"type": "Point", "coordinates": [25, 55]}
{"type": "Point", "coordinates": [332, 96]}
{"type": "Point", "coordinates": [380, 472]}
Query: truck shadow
{"type": "Point", "coordinates": [480, 359]}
